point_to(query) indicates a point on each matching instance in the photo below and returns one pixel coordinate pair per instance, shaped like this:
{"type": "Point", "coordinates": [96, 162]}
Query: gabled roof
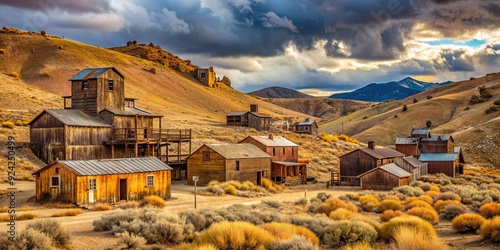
{"type": "Point", "coordinates": [73, 117]}
{"type": "Point", "coordinates": [414, 162]}
{"type": "Point", "coordinates": [406, 141]}
{"type": "Point", "coordinates": [259, 115]}
{"type": "Point", "coordinates": [92, 73]}
{"type": "Point", "coordinates": [305, 123]}
{"type": "Point", "coordinates": [113, 166]}
{"type": "Point", "coordinates": [391, 169]}
{"type": "Point", "coordinates": [420, 131]}
{"type": "Point", "coordinates": [287, 163]}
{"type": "Point", "coordinates": [438, 138]}
{"type": "Point", "coordinates": [238, 151]}
{"type": "Point", "coordinates": [438, 157]}
{"type": "Point", "coordinates": [132, 112]}
{"type": "Point", "coordinates": [236, 113]}
{"type": "Point", "coordinates": [370, 152]}
{"type": "Point", "coordinates": [379, 153]}
{"type": "Point", "coordinates": [276, 141]}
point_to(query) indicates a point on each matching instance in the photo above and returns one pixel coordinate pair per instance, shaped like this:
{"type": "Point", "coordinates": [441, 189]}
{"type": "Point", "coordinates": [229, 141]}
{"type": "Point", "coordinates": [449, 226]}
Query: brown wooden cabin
{"type": "Point", "coordinates": [362, 160]}
{"type": "Point", "coordinates": [259, 121]}
{"type": "Point", "coordinates": [306, 127]}
{"type": "Point", "coordinates": [237, 118]}
{"type": "Point", "coordinates": [385, 177]}
{"type": "Point", "coordinates": [437, 144]}
{"type": "Point", "coordinates": [408, 146]}
{"type": "Point", "coordinates": [98, 122]}
{"type": "Point", "coordinates": [103, 181]}
{"type": "Point", "coordinates": [252, 119]}
{"type": "Point", "coordinates": [420, 133]}
{"type": "Point", "coordinates": [413, 166]}
{"type": "Point", "coordinates": [284, 154]}
{"type": "Point", "coordinates": [241, 162]}
{"type": "Point", "coordinates": [446, 163]}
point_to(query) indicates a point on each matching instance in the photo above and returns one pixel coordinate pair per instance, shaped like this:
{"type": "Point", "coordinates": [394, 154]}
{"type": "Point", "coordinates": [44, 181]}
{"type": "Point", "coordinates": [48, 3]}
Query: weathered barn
{"type": "Point", "coordinates": [252, 119]}
{"type": "Point", "coordinates": [446, 163]}
{"type": "Point", "coordinates": [437, 144]}
{"type": "Point", "coordinates": [408, 146]}
{"type": "Point", "coordinates": [385, 177]}
{"type": "Point", "coordinates": [420, 133]}
{"type": "Point", "coordinates": [284, 154]}
{"type": "Point", "coordinates": [413, 166]}
{"type": "Point", "coordinates": [306, 127]}
{"type": "Point", "coordinates": [241, 162]}
{"type": "Point", "coordinates": [362, 160]}
{"type": "Point", "coordinates": [69, 134]}
{"type": "Point", "coordinates": [103, 181]}
{"type": "Point", "coordinates": [237, 118]}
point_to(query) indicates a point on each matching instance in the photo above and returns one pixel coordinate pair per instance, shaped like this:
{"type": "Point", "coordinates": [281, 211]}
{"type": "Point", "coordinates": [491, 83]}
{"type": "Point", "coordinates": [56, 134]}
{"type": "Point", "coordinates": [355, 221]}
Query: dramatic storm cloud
{"type": "Point", "coordinates": [314, 45]}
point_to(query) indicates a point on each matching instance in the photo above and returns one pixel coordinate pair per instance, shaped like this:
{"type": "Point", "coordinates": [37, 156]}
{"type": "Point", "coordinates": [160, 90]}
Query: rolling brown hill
{"type": "Point", "coordinates": [448, 108]}
{"type": "Point", "coordinates": [278, 92]}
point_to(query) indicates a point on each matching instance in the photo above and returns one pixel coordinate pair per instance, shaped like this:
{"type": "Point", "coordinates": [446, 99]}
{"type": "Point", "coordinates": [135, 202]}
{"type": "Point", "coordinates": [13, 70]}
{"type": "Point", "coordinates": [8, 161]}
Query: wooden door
{"type": "Point", "coordinates": [259, 178]}
{"type": "Point", "coordinates": [123, 189]}
{"type": "Point", "coordinates": [91, 196]}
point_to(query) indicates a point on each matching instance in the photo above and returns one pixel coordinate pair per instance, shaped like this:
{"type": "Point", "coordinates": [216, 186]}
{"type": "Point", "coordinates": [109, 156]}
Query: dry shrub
{"type": "Point", "coordinates": [266, 183]}
{"type": "Point", "coordinates": [247, 185]}
{"type": "Point", "coordinates": [408, 238]}
{"type": "Point", "coordinates": [70, 212]}
{"type": "Point", "coordinates": [235, 184]}
{"type": "Point", "coordinates": [18, 123]}
{"type": "Point", "coordinates": [8, 124]}
{"type": "Point", "coordinates": [435, 188]}
{"type": "Point", "coordinates": [129, 205]}
{"type": "Point", "coordinates": [389, 228]}
{"type": "Point", "coordinates": [213, 183]}
{"type": "Point", "coordinates": [417, 203]}
{"type": "Point", "coordinates": [428, 214]}
{"type": "Point", "coordinates": [374, 223]}
{"type": "Point", "coordinates": [358, 246]}
{"type": "Point", "coordinates": [27, 216]}
{"type": "Point", "coordinates": [490, 210]}
{"type": "Point", "coordinates": [347, 232]}
{"type": "Point", "coordinates": [391, 197]}
{"type": "Point", "coordinates": [340, 214]}
{"type": "Point", "coordinates": [231, 190]}
{"type": "Point", "coordinates": [369, 202]}
{"type": "Point", "coordinates": [440, 204]}
{"type": "Point", "coordinates": [451, 211]}
{"type": "Point", "coordinates": [102, 207]}
{"type": "Point", "coordinates": [186, 246]}
{"type": "Point", "coordinates": [14, 74]}
{"type": "Point", "coordinates": [467, 222]}
{"type": "Point", "coordinates": [285, 231]}
{"type": "Point", "coordinates": [32, 239]}
{"type": "Point", "coordinates": [215, 189]}
{"type": "Point", "coordinates": [426, 198]}
{"type": "Point", "coordinates": [153, 200]}
{"type": "Point", "coordinates": [235, 235]}
{"type": "Point", "coordinates": [448, 196]}
{"type": "Point", "coordinates": [387, 215]}
{"type": "Point", "coordinates": [328, 138]}
{"type": "Point", "coordinates": [295, 242]}
{"type": "Point", "coordinates": [332, 204]}
{"type": "Point", "coordinates": [409, 190]}
{"type": "Point", "coordinates": [432, 193]}
{"type": "Point", "coordinates": [131, 241]}
{"type": "Point", "coordinates": [5, 217]}
{"type": "Point", "coordinates": [390, 204]}
{"type": "Point", "coordinates": [490, 229]}
{"type": "Point", "coordinates": [52, 229]}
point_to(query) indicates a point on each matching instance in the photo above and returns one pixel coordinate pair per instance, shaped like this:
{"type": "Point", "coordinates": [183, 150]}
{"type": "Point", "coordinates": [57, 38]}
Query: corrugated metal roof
{"type": "Point", "coordinates": [438, 157]}
{"type": "Point", "coordinates": [92, 73]}
{"type": "Point", "coordinates": [391, 169]}
{"type": "Point", "coordinates": [132, 112]}
{"type": "Point", "coordinates": [73, 117]}
{"type": "Point", "coordinates": [305, 123]}
{"type": "Point", "coordinates": [370, 152]}
{"type": "Point", "coordinates": [259, 115]}
{"type": "Point", "coordinates": [286, 163]}
{"type": "Point", "coordinates": [437, 138]}
{"type": "Point", "coordinates": [277, 141]}
{"type": "Point", "coordinates": [114, 166]}
{"type": "Point", "coordinates": [406, 141]}
{"type": "Point", "coordinates": [388, 153]}
{"type": "Point", "coordinates": [238, 151]}
{"type": "Point", "coordinates": [418, 131]}
{"type": "Point", "coordinates": [236, 113]}
{"type": "Point", "coordinates": [457, 149]}
{"type": "Point", "coordinates": [413, 161]}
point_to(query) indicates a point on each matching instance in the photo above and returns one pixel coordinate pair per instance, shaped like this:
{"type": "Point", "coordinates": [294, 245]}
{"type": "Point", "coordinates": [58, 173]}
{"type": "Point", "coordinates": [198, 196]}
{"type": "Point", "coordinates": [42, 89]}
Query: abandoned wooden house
{"type": "Point", "coordinates": [98, 122]}
{"type": "Point", "coordinates": [103, 181]}
{"type": "Point", "coordinates": [241, 162]}
{"type": "Point", "coordinates": [305, 127]}
{"type": "Point", "coordinates": [209, 78]}
{"type": "Point", "coordinates": [420, 133]}
{"type": "Point", "coordinates": [413, 166]}
{"type": "Point", "coordinates": [408, 146]}
{"type": "Point", "coordinates": [446, 163]}
{"type": "Point", "coordinates": [362, 160]}
{"type": "Point", "coordinates": [285, 167]}
{"type": "Point", "coordinates": [385, 177]}
{"type": "Point", "coordinates": [251, 119]}
{"type": "Point", "coordinates": [437, 144]}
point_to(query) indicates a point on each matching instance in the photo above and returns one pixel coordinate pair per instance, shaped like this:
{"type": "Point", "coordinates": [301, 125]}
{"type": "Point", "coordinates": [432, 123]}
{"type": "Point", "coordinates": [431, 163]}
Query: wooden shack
{"type": "Point", "coordinates": [251, 119]}
{"type": "Point", "coordinates": [362, 160]}
{"type": "Point", "coordinates": [241, 162]}
{"type": "Point", "coordinates": [446, 163]}
{"type": "Point", "coordinates": [413, 166]}
{"type": "Point", "coordinates": [306, 127]}
{"type": "Point", "coordinates": [420, 133]}
{"type": "Point", "coordinates": [284, 154]}
{"type": "Point", "coordinates": [103, 181]}
{"type": "Point", "coordinates": [237, 118]}
{"type": "Point", "coordinates": [437, 144]}
{"type": "Point", "coordinates": [408, 146]}
{"type": "Point", "coordinates": [68, 134]}
{"type": "Point", "coordinates": [385, 177]}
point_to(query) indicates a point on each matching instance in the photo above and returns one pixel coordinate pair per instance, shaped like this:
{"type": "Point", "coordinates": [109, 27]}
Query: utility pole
{"type": "Point", "coordinates": [195, 179]}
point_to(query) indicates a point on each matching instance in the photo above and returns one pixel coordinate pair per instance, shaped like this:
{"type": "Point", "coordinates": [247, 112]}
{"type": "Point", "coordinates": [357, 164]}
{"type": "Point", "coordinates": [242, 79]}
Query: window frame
{"type": "Point", "coordinates": [238, 166]}
{"type": "Point", "coordinates": [274, 151]}
{"type": "Point", "coordinates": [92, 186]}
{"type": "Point", "coordinates": [150, 182]}
{"type": "Point", "coordinates": [206, 155]}
{"type": "Point", "coordinates": [85, 84]}
{"type": "Point", "coordinates": [58, 181]}
{"type": "Point", "coordinates": [111, 85]}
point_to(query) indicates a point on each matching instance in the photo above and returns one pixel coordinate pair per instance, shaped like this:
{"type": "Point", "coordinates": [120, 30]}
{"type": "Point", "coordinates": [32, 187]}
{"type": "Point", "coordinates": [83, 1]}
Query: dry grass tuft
{"type": "Point", "coordinates": [102, 207]}
{"type": "Point", "coordinates": [340, 214]}
{"type": "Point", "coordinates": [407, 238]}
{"type": "Point", "coordinates": [153, 200]}
{"type": "Point", "coordinates": [235, 235]}
{"type": "Point", "coordinates": [467, 222]}
{"type": "Point", "coordinates": [389, 228]}
{"type": "Point", "coordinates": [427, 214]}
{"type": "Point", "coordinates": [8, 124]}
{"type": "Point", "coordinates": [390, 205]}
{"type": "Point", "coordinates": [231, 190]}
{"type": "Point", "coordinates": [440, 204]}
{"type": "Point", "coordinates": [285, 231]}
{"type": "Point", "coordinates": [417, 203]}
{"type": "Point", "coordinates": [490, 210]}
{"type": "Point", "coordinates": [369, 202]}
{"type": "Point", "coordinates": [490, 229]}
{"type": "Point", "coordinates": [129, 205]}
{"type": "Point", "coordinates": [14, 74]}
{"type": "Point", "coordinates": [358, 246]}
{"type": "Point", "coordinates": [70, 212]}
{"type": "Point", "coordinates": [332, 204]}
{"type": "Point", "coordinates": [387, 215]}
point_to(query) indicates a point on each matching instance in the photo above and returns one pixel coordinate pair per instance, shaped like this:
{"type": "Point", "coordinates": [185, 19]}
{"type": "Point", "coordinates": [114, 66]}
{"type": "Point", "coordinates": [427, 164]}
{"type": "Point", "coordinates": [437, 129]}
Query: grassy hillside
{"type": "Point", "coordinates": [448, 108]}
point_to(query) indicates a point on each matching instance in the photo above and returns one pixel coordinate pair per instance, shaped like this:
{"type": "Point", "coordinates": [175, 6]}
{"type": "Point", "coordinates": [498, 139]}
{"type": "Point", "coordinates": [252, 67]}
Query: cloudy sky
{"type": "Point", "coordinates": [316, 46]}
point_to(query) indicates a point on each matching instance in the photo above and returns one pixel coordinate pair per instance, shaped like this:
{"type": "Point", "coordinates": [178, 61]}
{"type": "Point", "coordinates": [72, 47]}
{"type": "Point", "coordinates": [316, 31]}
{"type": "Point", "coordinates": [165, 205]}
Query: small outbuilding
{"type": "Point", "coordinates": [408, 146]}
{"type": "Point", "coordinates": [220, 162]}
{"type": "Point", "coordinates": [446, 163]}
{"type": "Point", "coordinates": [103, 181]}
{"type": "Point", "coordinates": [385, 177]}
{"type": "Point", "coordinates": [413, 166]}
{"type": "Point", "coordinates": [306, 127]}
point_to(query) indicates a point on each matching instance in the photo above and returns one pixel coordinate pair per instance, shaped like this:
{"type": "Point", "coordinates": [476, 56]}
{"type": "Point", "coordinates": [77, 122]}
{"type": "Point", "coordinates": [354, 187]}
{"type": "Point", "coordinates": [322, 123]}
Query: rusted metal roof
{"type": "Point", "coordinates": [114, 166]}
{"type": "Point", "coordinates": [238, 151]}
{"type": "Point", "coordinates": [259, 115]}
{"type": "Point", "coordinates": [438, 138]}
{"type": "Point", "coordinates": [388, 153]}
{"type": "Point", "coordinates": [370, 152]}
{"type": "Point", "coordinates": [132, 112]}
{"type": "Point", "coordinates": [73, 117]}
{"type": "Point", "coordinates": [276, 141]}
{"type": "Point", "coordinates": [438, 157]}
{"type": "Point", "coordinates": [406, 141]}
{"type": "Point", "coordinates": [419, 131]}
{"type": "Point", "coordinates": [92, 73]}
{"type": "Point", "coordinates": [236, 113]}
{"type": "Point", "coordinates": [286, 163]}
{"type": "Point", "coordinates": [391, 169]}
{"type": "Point", "coordinates": [414, 162]}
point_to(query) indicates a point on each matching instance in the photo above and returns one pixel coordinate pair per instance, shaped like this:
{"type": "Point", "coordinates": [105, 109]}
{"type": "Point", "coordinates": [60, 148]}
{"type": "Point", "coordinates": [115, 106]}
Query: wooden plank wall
{"type": "Point", "coordinates": [381, 180]}
{"type": "Point", "coordinates": [356, 163]}
{"type": "Point", "coordinates": [84, 99]}
{"type": "Point", "coordinates": [248, 169]}
{"type": "Point", "coordinates": [214, 169]}
{"type": "Point", "coordinates": [290, 154]}
{"type": "Point", "coordinates": [447, 167]}
{"type": "Point", "coordinates": [110, 99]}
{"type": "Point", "coordinates": [408, 150]}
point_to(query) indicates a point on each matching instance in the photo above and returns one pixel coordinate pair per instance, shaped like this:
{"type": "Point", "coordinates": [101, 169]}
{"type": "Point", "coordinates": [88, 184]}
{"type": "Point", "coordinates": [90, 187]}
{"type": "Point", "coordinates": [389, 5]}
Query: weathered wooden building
{"type": "Point", "coordinates": [413, 166]}
{"type": "Point", "coordinates": [420, 133]}
{"type": "Point", "coordinates": [385, 177]}
{"type": "Point", "coordinates": [241, 162]}
{"type": "Point", "coordinates": [437, 144]}
{"type": "Point", "coordinates": [251, 119]}
{"type": "Point", "coordinates": [305, 127]}
{"type": "Point", "coordinates": [284, 154]}
{"type": "Point", "coordinates": [103, 181]}
{"type": "Point", "coordinates": [408, 146]}
{"type": "Point", "coordinates": [362, 160]}
{"type": "Point", "coordinates": [446, 163]}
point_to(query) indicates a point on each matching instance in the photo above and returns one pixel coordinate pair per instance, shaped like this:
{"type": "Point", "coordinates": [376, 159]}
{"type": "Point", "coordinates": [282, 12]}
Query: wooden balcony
{"type": "Point", "coordinates": [149, 136]}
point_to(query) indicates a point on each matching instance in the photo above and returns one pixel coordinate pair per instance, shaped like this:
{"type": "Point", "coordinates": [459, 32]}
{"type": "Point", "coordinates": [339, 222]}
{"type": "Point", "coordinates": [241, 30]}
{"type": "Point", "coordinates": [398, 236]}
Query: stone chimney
{"type": "Point", "coordinates": [371, 145]}
{"type": "Point", "coordinates": [254, 108]}
{"type": "Point", "coordinates": [271, 136]}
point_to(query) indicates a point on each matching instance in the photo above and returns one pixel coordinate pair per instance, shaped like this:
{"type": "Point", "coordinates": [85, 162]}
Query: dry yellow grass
{"type": "Point", "coordinates": [102, 207]}
{"type": "Point", "coordinates": [407, 238]}
{"type": "Point", "coordinates": [70, 212]}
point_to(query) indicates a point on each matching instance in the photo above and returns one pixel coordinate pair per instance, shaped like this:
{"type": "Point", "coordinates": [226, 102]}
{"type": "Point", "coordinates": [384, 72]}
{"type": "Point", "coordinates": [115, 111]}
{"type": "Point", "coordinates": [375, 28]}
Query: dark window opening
{"type": "Point", "coordinates": [283, 151]}
{"type": "Point", "coordinates": [274, 151]}
{"type": "Point", "coordinates": [85, 85]}
{"type": "Point", "coordinates": [57, 170]}
{"type": "Point", "coordinates": [203, 75]}
{"type": "Point", "coordinates": [293, 153]}
{"type": "Point", "coordinates": [92, 184]}
{"type": "Point", "coordinates": [237, 165]}
{"type": "Point", "coordinates": [110, 85]}
{"type": "Point", "coordinates": [54, 181]}
{"type": "Point", "coordinates": [206, 156]}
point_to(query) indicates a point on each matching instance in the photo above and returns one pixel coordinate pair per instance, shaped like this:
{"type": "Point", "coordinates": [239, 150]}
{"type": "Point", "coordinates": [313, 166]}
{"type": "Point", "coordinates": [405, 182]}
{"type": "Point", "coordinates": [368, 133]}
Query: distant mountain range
{"type": "Point", "coordinates": [279, 92]}
{"type": "Point", "coordinates": [379, 92]}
